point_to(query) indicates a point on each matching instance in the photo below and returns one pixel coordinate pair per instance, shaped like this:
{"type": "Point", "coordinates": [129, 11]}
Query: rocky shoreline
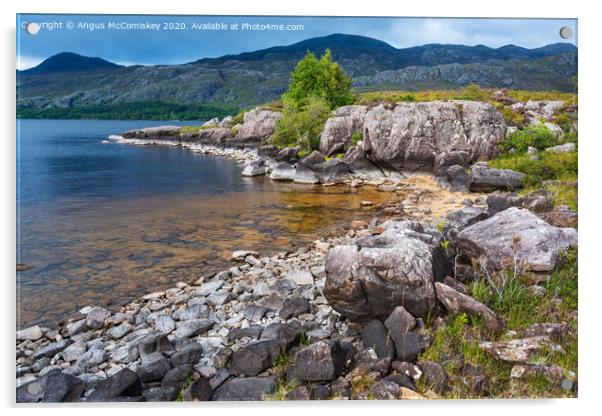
{"type": "Point", "coordinates": [347, 317]}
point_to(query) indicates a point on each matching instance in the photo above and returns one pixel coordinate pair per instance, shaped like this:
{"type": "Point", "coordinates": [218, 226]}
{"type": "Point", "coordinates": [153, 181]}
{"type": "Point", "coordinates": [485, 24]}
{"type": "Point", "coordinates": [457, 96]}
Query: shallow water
{"type": "Point", "coordinates": [103, 223]}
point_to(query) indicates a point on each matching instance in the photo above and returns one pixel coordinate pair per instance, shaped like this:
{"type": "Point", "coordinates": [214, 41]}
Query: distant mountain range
{"type": "Point", "coordinates": [68, 80]}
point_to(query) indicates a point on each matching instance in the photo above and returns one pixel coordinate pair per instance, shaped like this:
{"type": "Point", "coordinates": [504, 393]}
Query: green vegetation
{"type": "Point", "coordinates": [512, 300]}
{"type": "Point", "coordinates": [470, 92]}
{"type": "Point", "coordinates": [546, 166]}
{"type": "Point", "coordinates": [321, 78]}
{"type": "Point", "coordinates": [537, 136]}
{"type": "Point", "coordinates": [282, 390]}
{"type": "Point", "coordinates": [143, 110]}
{"type": "Point", "coordinates": [317, 86]}
{"type": "Point", "coordinates": [356, 137]}
{"type": "Point", "coordinates": [302, 127]}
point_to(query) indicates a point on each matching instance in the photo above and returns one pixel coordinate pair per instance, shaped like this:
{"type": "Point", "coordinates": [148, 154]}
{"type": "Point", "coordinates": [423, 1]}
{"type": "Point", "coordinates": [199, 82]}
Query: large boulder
{"type": "Point", "coordinates": [213, 136]}
{"type": "Point", "coordinates": [516, 237]}
{"type": "Point", "coordinates": [258, 125]}
{"type": "Point", "coordinates": [412, 134]}
{"type": "Point", "coordinates": [371, 278]}
{"type": "Point", "coordinates": [486, 179]}
{"type": "Point", "coordinates": [338, 130]}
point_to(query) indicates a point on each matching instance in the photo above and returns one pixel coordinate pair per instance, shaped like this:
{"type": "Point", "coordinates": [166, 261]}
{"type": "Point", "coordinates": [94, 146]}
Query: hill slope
{"type": "Point", "coordinates": [69, 80]}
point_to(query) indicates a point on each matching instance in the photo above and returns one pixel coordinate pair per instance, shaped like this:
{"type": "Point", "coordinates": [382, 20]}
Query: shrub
{"type": "Point", "coordinates": [537, 136]}
{"type": "Point", "coordinates": [302, 126]}
{"type": "Point", "coordinates": [322, 78]}
{"type": "Point", "coordinates": [548, 166]}
{"type": "Point", "coordinates": [238, 118]}
{"type": "Point", "coordinates": [356, 137]}
{"type": "Point", "coordinates": [512, 117]}
{"type": "Point", "coordinates": [564, 122]}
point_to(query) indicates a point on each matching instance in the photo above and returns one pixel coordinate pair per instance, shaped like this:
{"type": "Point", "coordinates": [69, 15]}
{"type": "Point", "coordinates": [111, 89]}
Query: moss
{"type": "Point", "coordinates": [238, 118]}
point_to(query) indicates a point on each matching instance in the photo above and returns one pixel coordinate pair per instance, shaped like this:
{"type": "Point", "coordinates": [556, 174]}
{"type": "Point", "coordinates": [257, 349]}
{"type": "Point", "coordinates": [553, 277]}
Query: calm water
{"type": "Point", "coordinates": [102, 223]}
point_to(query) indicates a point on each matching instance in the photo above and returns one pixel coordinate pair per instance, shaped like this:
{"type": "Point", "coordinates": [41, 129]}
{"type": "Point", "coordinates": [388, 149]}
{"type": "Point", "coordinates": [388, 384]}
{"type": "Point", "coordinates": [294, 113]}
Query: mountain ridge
{"type": "Point", "coordinates": [250, 78]}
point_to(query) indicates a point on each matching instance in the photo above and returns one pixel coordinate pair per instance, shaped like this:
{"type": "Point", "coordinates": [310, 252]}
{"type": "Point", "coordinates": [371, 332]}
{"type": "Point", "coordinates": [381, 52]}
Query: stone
{"type": "Point", "coordinates": [300, 277]}
{"type": "Point", "coordinates": [287, 334]}
{"type": "Point", "coordinates": [464, 217]}
{"type": "Point", "coordinates": [321, 361]}
{"type": "Point", "coordinates": [517, 350]}
{"type": "Point", "coordinates": [51, 349]}
{"type": "Point", "coordinates": [562, 216]}
{"type": "Point", "coordinates": [385, 390]}
{"type": "Point", "coordinates": [160, 394]}
{"type": "Point", "coordinates": [119, 331]}
{"type": "Point", "coordinates": [338, 130]}
{"type": "Point", "coordinates": [74, 351]}
{"type": "Point", "coordinates": [252, 331]}
{"type": "Point", "coordinates": [562, 148]}
{"type": "Point", "coordinates": [125, 354]}
{"type": "Point", "coordinates": [516, 236]}
{"type": "Point", "coordinates": [371, 278]}
{"type": "Point", "coordinates": [556, 331]}
{"type": "Point", "coordinates": [33, 333]}
{"type": "Point", "coordinates": [409, 394]}
{"type": "Point", "coordinates": [189, 354]}
{"type": "Point", "coordinates": [176, 376]}
{"type": "Point", "coordinates": [486, 179]}
{"type": "Point", "coordinates": [259, 124]}
{"type": "Point", "coordinates": [434, 376]}
{"type": "Point", "coordinates": [153, 367]}
{"type": "Point", "coordinates": [552, 373]}
{"type": "Point", "coordinates": [255, 357]}
{"type": "Point", "coordinates": [153, 341]}
{"type": "Point", "coordinates": [196, 311]}
{"type": "Point", "coordinates": [165, 324]}
{"type": "Point", "coordinates": [96, 318]}
{"type": "Point", "coordinates": [411, 135]}
{"type": "Point", "coordinates": [293, 307]}
{"type": "Point", "coordinates": [218, 299]}
{"type": "Point", "coordinates": [91, 358]}
{"type": "Point", "coordinates": [456, 303]}
{"type": "Point", "coordinates": [124, 383]}
{"type": "Point", "coordinates": [76, 327]}
{"type": "Point", "coordinates": [53, 387]}
{"type": "Point", "coordinates": [200, 389]}
{"type": "Point", "coordinates": [499, 201]}
{"type": "Point", "coordinates": [359, 164]}
{"type": "Point", "coordinates": [213, 286]}
{"type": "Point", "coordinates": [245, 389]}
{"type": "Point", "coordinates": [445, 160]}
{"type": "Point", "coordinates": [193, 328]}
{"type": "Point", "coordinates": [283, 172]}
{"type": "Point", "coordinates": [400, 321]}
{"type": "Point", "coordinates": [410, 344]}
{"type": "Point", "coordinates": [458, 178]}
{"type": "Point", "coordinates": [374, 335]}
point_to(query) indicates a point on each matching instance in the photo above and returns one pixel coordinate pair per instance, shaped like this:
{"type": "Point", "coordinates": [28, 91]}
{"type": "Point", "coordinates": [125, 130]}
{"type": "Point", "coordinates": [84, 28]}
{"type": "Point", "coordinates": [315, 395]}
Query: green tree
{"type": "Point", "coordinates": [322, 78]}
{"type": "Point", "coordinates": [303, 126]}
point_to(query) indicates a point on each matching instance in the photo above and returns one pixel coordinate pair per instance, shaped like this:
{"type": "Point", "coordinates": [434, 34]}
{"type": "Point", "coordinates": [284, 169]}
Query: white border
{"type": "Point", "coordinates": [589, 190]}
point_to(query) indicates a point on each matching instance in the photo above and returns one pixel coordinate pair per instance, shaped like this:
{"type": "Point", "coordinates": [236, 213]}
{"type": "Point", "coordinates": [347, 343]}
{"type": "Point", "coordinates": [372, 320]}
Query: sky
{"type": "Point", "coordinates": [150, 40]}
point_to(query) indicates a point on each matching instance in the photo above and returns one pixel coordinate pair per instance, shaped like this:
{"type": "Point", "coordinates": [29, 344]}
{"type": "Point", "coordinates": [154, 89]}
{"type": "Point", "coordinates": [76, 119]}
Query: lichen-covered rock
{"type": "Point", "coordinates": [339, 129]}
{"type": "Point", "coordinates": [371, 278]}
{"type": "Point", "coordinates": [412, 134]}
{"type": "Point", "coordinates": [456, 302]}
{"type": "Point", "coordinates": [258, 125]}
{"type": "Point", "coordinates": [245, 389]}
{"type": "Point", "coordinates": [516, 237]}
{"type": "Point", "coordinates": [158, 132]}
{"type": "Point", "coordinates": [518, 350]}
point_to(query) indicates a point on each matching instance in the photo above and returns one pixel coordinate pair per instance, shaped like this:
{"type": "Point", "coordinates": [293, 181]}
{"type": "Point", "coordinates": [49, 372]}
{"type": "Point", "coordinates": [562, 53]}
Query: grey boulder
{"type": "Point", "coordinates": [516, 237]}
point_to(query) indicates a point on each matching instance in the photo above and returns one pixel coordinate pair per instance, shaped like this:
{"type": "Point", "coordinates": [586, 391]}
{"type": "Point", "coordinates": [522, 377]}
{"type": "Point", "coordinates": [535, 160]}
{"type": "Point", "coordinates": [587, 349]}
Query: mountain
{"type": "Point", "coordinates": [235, 81]}
{"type": "Point", "coordinates": [68, 61]}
